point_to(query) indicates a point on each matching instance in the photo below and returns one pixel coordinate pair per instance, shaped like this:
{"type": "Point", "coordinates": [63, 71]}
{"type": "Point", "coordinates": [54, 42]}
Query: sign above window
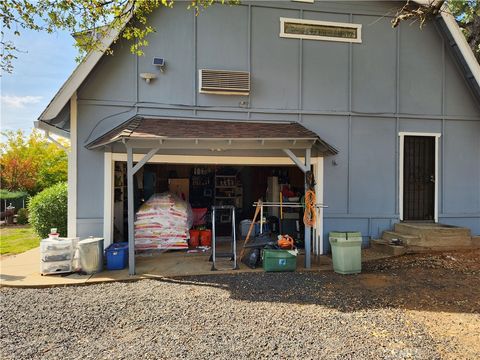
{"type": "Point", "coordinates": [320, 30]}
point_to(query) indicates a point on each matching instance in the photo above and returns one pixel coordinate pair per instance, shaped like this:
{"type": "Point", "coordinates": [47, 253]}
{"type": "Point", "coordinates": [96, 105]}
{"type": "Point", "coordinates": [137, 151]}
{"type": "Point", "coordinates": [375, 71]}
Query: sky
{"type": "Point", "coordinates": [46, 61]}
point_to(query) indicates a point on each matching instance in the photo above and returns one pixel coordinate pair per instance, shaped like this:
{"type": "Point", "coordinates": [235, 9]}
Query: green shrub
{"type": "Point", "coordinates": [48, 209]}
{"type": "Point", "coordinates": [22, 216]}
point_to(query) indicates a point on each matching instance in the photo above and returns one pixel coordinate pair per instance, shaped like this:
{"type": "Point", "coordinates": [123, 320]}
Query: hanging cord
{"type": "Point", "coordinates": [310, 215]}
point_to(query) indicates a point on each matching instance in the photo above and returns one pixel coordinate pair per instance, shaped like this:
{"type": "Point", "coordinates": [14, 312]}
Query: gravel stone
{"type": "Point", "coordinates": [241, 316]}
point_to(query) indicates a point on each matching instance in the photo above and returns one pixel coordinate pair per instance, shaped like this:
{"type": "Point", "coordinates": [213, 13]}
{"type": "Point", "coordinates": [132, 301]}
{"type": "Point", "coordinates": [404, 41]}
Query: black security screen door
{"type": "Point", "coordinates": [419, 178]}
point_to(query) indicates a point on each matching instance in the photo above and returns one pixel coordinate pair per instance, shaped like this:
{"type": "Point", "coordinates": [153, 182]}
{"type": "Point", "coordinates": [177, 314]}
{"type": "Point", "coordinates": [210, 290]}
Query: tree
{"type": "Point", "coordinates": [466, 12]}
{"type": "Point", "coordinates": [31, 164]}
{"type": "Point", "coordinates": [89, 20]}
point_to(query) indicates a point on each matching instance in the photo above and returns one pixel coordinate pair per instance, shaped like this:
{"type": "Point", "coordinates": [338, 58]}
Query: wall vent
{"type": "Point", "coordinates": [224, 82]}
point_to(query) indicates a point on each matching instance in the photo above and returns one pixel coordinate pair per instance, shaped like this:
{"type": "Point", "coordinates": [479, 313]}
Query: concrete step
{"type": "Point", "coordinates": [385, 247]}
{"type": "Point", "coordinates": [476, 242]}
{"type": "Point", "coordinates": [432, 235]}
{"type": "Point", "coordinates": [405, 239]}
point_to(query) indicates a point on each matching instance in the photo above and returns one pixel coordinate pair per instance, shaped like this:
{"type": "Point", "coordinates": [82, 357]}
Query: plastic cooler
{"type": "Point", "coordinates": [346, 252]}
{"type": "Point", "coordinates": [117, 256]}
{"type": "Point", "coordinates": [279, 260]}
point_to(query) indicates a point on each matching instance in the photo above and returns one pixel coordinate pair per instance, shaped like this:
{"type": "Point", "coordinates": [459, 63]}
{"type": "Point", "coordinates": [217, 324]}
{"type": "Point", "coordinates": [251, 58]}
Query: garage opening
{"type": "Point", "coordinates": [193, 139]}
{"type": "Point", "coordinates": [204, 186]}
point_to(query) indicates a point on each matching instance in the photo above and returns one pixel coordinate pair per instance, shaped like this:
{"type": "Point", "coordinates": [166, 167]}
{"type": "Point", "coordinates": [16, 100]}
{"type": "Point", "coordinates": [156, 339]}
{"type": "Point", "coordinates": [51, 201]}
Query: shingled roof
{"type": "Point", "coordinates": [181, 129]}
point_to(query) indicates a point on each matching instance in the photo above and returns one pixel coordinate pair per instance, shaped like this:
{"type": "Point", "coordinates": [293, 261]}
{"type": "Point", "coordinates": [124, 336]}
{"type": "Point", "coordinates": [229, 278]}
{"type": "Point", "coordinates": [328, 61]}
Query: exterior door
{"type": "Point", "coordinates": [419, 178]}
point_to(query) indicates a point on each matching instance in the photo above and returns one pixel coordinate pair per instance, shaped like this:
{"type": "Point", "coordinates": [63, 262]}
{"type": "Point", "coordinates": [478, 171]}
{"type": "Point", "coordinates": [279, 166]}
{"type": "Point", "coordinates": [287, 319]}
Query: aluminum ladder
{"type": "Point", "coordinates": [233, 253]}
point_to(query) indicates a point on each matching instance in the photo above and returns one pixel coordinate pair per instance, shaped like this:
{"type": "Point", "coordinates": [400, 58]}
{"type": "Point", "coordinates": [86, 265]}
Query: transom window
{"type": "Point", "coordinates": [320, 30]}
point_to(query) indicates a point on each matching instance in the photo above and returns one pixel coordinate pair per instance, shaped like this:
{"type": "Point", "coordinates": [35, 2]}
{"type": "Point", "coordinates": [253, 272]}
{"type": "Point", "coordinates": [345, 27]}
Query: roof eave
{"type": "Point", "coordinates": [45, 126]}
{"type": "Point", "coordinates": [80, 73]}
{"type": "Point", "coordinates": [210, 143]}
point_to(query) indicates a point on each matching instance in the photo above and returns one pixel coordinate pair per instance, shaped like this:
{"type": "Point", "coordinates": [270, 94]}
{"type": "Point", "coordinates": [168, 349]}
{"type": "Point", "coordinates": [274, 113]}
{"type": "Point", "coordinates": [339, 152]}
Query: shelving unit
{"type": "Point", "coordinates": [202, 187]}
{"type": "Point", "coordinates": [228, 192]}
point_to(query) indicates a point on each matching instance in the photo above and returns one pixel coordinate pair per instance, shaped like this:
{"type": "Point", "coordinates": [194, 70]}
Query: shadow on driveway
{"type": "Point", "coordinates": [418, 282]}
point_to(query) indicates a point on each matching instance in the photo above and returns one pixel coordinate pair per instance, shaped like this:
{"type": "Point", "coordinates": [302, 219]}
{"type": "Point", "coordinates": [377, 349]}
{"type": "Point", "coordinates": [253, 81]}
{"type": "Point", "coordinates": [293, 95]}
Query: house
{"type": "Point", "coordinates": [388, 119]}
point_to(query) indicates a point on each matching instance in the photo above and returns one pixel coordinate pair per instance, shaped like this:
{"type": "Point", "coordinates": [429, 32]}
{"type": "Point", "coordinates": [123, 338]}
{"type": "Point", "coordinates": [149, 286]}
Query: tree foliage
{"type": "Point", "coordinates": [48, 209]}
{"type": "Point", "coordinates": [30, 163]}
{"type": "Point", "coordinates": [89, 20]}
{"type": "Point", "coordinates": [466, 12]}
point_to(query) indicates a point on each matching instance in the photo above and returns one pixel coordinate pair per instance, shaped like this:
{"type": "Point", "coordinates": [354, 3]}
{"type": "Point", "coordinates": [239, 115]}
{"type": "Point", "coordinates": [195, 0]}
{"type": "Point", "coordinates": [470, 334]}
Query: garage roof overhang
{"type": "Point", "coordinates": [150, 133]}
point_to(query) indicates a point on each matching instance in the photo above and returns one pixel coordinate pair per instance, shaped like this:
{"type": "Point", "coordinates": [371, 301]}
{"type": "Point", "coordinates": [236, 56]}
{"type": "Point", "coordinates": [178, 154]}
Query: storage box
{"type": "Point", "coordinates": [55, 267]}
{"type": "Point", "coordinates": [346, 252]}
{"type": "Point", "coordinates": [117, 256]}
{"type": "Point", "coordinates": [56, 255]}
{"type": "Point", "coordinates": [279, 260]}
{"type": "Point", "coordinates": [180, 187]}
{"type": "Point", "coordinates": [245, 225]}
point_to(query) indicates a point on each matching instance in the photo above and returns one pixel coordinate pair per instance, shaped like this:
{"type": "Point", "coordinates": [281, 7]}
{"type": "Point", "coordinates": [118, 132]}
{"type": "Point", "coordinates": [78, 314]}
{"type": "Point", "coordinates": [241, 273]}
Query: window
{"type": "Point", "coordinates": [320, 30]}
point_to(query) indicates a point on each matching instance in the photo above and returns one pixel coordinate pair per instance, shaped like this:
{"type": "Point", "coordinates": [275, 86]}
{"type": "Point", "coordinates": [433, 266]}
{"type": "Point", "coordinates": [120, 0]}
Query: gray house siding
{"type": "Point", "coordinates": [357, 97]}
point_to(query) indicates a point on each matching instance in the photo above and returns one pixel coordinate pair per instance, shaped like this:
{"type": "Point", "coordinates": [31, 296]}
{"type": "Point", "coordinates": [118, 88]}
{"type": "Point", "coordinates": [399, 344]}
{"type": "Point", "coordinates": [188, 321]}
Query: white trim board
{"type": "Point", "coordinates": [318, 171]}
{"type": "Point", "coordinates": [108, 194]}
{"type": "Point", "coordinates": [401, 162]}
{"type": "Point", "coordinates": [72, 171]}
{"type": "Point", "coordinates": [109, 166]}
{"type": "Point", "coordinates": [212, 160]}
{"type": "Point", "coordinates": [283, 34]}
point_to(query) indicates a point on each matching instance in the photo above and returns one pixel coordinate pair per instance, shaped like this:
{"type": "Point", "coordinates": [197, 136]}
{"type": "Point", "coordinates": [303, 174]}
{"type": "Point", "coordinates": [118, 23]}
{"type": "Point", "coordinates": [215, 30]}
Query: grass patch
{"type": "Point", "coordinates": [17, 239]}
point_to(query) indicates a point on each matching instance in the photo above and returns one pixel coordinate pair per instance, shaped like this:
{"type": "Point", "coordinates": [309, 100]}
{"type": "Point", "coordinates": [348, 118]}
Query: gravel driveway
{"type": "Point", "coordinates": [394, 310]}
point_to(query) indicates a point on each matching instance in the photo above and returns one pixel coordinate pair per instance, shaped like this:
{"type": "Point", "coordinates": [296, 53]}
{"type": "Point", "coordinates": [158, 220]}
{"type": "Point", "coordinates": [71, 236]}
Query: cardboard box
{"type": "Point", "coordinates": [180, 187]}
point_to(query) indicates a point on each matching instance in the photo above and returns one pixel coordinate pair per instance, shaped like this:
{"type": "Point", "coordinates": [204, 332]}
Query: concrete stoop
{"type": "Point", "coordinates": [385, 247]}
{"type": "Point", "coordinates": [424, 237]}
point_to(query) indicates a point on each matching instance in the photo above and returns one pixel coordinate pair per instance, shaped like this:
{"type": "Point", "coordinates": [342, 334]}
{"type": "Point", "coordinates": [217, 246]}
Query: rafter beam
{"type": "Point", "coordinates": [296, 160]}
{"type": "Point", "coordinates": [144, 160]}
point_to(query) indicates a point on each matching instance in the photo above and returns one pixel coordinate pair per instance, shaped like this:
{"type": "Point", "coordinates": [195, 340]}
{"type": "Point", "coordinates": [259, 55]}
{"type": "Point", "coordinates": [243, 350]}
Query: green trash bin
{"type": "Point", "coordinates": [346, 252]}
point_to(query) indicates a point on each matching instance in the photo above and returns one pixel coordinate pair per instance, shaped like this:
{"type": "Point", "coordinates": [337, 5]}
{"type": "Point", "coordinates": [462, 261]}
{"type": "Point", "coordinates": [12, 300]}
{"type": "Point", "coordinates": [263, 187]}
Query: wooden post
{"type": "Point", "coordinates": [131, 230]}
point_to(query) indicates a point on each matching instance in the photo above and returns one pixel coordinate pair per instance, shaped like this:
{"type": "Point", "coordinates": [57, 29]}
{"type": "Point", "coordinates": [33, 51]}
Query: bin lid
{"type": "Point", "coordinates": [90, 240]}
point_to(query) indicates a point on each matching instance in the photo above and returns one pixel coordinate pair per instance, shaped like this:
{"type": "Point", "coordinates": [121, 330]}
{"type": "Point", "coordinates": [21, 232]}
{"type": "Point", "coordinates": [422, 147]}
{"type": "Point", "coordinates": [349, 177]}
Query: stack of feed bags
{"type": "Point", "coordinates": [162, 222]}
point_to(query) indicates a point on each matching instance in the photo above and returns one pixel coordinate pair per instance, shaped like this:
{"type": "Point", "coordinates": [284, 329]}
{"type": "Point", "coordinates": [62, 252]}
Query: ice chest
{"type": "Point", "coordinates": [117, 256]}
{"type": "Point", "coordinates": [346, 252]}
{"type": "Point", "coordinates": [279, 260]}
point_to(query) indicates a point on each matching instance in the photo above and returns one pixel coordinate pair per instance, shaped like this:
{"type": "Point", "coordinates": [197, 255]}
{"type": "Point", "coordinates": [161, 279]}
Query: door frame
{"type": "Point", "coordinates": [109, 178]}
{"type": "Point", "coordinates": [402, 135]}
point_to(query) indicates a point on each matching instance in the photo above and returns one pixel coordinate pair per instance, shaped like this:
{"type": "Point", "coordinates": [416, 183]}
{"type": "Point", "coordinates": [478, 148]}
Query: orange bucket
{"type": "Point", "coordinates": [206, 237]}
{"type": "Point", "coordinates": [194, 238]}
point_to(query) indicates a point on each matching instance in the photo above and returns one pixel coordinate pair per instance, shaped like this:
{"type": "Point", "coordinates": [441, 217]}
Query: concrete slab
{"type": "Point", "coordinates": [23, 270]}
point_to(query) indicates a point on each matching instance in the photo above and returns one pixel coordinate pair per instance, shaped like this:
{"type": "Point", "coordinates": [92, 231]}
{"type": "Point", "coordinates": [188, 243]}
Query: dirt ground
{"type": "Point", "coordinates": [440, 291]}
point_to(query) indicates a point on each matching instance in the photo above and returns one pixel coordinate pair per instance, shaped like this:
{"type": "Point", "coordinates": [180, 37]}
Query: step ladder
{"type": "Point", "coordinates": [232, 255]}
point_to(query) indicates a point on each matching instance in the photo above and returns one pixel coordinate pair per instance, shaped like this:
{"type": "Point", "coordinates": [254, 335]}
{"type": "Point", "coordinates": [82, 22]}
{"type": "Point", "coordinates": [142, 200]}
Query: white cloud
{"type": "Point", "coordinates": [19, 101]}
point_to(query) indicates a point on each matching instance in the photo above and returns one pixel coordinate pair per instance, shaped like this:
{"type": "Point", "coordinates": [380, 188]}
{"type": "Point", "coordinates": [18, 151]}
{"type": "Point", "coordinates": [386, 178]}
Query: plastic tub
{"type": "Point", "coordinates": [194, 238]}
{"type": "Point", "coordinates": [279, 260]}
{"type": "Point", "coordinates": [117, 256]}
{"type": "Point", "coordinates": [346, 252]}
{"type": "Point", "coordinates": [244, 226]}
{"type": "Point", "coordinates": [265, 226]}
